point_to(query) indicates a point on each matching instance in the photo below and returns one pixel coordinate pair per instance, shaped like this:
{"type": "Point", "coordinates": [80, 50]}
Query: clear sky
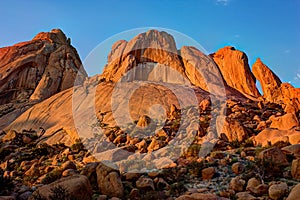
{"type": "Point", "coordinates": [269, 29]}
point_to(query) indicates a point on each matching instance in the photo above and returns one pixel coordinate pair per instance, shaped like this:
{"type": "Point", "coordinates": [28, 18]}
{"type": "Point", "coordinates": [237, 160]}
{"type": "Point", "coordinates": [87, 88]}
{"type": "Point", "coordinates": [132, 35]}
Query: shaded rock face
{"type": "Point", "coordinates": [60, 126]}
{"type": "Point", "coordinates": [76, 187]}
{"type": "Point", "coordinates": [39, 68]}
{"type": "Point", "coordinates": [235, 69]}
{"type": "Point", "coordinates": [109, 181]}
{"type": "Point", "coordinates": [194, 62]}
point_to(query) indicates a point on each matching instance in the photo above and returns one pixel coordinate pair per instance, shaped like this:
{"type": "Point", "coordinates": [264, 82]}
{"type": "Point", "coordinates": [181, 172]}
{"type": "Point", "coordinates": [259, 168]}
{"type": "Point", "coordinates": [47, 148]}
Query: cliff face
{"type": "Point", "coordinates": [276, 91]}
{"type": "Point", "coordinates": [152, 46]}
{"type": "Point", "coordinates": [235, 69]}
{"type": "Point", "coordinates": [154, 107]}
{"type": "Point", "coordinates": [35, 70]}
{"type": "Point", "coordinates": [38, 69]}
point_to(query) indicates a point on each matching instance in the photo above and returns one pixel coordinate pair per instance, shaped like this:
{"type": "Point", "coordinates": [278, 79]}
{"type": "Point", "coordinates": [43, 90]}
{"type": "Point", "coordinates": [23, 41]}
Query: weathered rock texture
{"type": "Point", "coordinates": [39, 68]}
{"type": "Point", "coordinates": [274, 90]}
{"type": "Point", "coordinates": [268, 80]}
{"type": "Point", "coordinates": [235, 69]}
{"type": "Point", "coordinates": [152, 46]}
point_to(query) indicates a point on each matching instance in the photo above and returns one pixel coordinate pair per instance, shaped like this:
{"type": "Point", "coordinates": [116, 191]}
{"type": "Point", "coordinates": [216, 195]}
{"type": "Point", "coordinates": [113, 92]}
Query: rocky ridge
{"type": "Point", "coordinates": [35, 70]}
{"type": "Point", "coordinates": [255, 152]}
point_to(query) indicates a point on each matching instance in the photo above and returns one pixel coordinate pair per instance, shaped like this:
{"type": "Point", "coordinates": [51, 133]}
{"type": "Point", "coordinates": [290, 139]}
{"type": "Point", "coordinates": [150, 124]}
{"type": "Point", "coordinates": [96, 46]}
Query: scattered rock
{"type": "Point", "coordinates": [296, 169]}
{"type": "Point", "coordinates": [237, 168]}
{"type": "Point", "coordinates": [273, 156]}
{"type": "Point", "coordinates": [200, 196]}
{"type": "Point", "coordinates": [109, 181]}
{"type": "Point", "coordinates": [232, 129]}
{"type": "Point", "coordinates": [285, 122]}
{"type": "Point", "coordinates": [244, 196]}
{"type": "Point", "coordinates": [68, 165]}
{"type": "Point", "coordinates": [277, 191]}
{"type": "Point", "coordinates": [272, 136]}
{"type": "Point", "coordinates": [144, 121]}
{"type": "Point", "coordinates": [208, 173]}
{"type": "Point", "coordinates": [144, 183]}
{"type": "Point", "coordinates": [237, 184]}
{"type": "Point", "coordinates": [76, 186]}
{"type": "Point", "coordinates": [295, 193]}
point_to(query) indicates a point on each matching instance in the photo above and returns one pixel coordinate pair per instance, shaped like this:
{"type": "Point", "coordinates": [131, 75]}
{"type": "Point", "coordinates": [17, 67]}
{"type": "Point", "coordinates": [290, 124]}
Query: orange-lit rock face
{"type": "Point", "coordinates": [274, 90]}
{"type": "Point", "coordinates": [152, 46]}
{"type": "Point", "coordinates": [268, 80]}
{"type": "Point", "coordinates": [234, 67]}
{"type": "Point", "coordinates": [39, 68]}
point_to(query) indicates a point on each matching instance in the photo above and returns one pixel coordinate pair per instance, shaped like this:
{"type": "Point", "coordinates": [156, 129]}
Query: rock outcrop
{"type": "Point", "coordinates": [150, 47]}
{"type": "Point", "coordinates": [39, 68]}
{"type": "Point", "coordinates": [268, 79]}
{"type": "Point", "coordinates": [36, 70]}
{"type": "Point", "coordinates": [275, 91]}
{"type": "Point", "coordinates": [235, 69]}
{"type": "Point", "coordinates": [118, 135]}
{"type": "Point", "coordinates": [200, 69]}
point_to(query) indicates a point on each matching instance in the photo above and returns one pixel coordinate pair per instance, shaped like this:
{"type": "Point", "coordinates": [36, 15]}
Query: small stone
{"type": "Point", "coordinates": [295, 193]}
{"type": "Point", "coordinates": [205, 104]}
{"type": "Point", "coordinates": [245, 196]}
{"type": "Point", "coordinates": [161, 184]}
{"type": "Point", "coordinates": [33, 171]}
{"type": "Point", "coordinates": [68, 165]}
{"type": "Point", "coordinates": [296, 169]}
{"type": "Point", "coordinates": [252, 183]}
{"type": "Point", "coordinates": [277, 191]}
{"type": "Point", "coordinates": [208, 173]}
{"type": "Point", "coordinates": [26, 139]}
{"type": "Point", "coordinates": [109, 181]}
{"type": "Point", "coordinates": [134, 194]}
{"type": "Point", "coordinates": [102, 197]}
{"type": "Point", "coordinates": [237, 168]}
{"type": "Point", "coordinates": [237, 184]}
{"type": "Point", "coordinates": [68, 172]}
{"type": "Point", "coordinates": [259, 190]}
{"type": "Point", "coordinates": [24, 196]}
{"type": "Point", "coordinates": [161, 133]}
{"type": "Point", "coordinates": [143, 121]}
{"type": "Point", "coordinates": [273, 155]}
{"type": "Point", "coordinates": [145, 183]}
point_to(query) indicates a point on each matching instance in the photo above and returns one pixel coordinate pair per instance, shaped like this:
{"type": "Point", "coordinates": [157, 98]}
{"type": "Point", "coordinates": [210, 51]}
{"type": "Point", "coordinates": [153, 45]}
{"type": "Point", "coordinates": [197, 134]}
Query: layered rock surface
{"type": "Point", "coordinates": [276, 91]}
{"type": "Point", "coordinates": [148, 119]}
{"type": "Point", "coordinates": [39, 68]}
{"type": "Point", "coordinates": [235, 69]}
{"type": "Point", "coordinates": [36, 70]}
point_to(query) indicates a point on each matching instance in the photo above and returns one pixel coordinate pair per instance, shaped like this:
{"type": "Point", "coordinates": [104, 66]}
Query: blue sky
{"type": "Point", "coordinates": [269, 29]}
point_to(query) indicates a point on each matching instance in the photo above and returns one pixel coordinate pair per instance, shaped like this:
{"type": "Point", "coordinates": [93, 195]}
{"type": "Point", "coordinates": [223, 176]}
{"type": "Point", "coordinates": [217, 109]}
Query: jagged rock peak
{"type": "Point", "coordinates": [152, 47]}
{"type": "Point", "coordinates": [38, 69]}
{"type": "Point", "coordinates": [235, 69]}
{"type": "Point", "coordinates": [267, 78]}
{"type": "Point", "coordinates": [54, 36]}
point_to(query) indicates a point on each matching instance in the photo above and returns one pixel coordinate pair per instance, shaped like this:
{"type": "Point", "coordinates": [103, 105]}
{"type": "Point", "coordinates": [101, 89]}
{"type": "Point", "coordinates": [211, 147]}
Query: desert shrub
{"type": "Point", "coordinates": [77, 146]}
{"type": "Point", "coordinates": [235, 144]}
{"type": "Point", "coordinates": [193, 151]}
{"type": "Point", "coordinates": [194, 168]}
{"type": "Point", "coordinates": [52, 176]}
{"type": "Point", "coordinates": [5, 183]}
{"type": "Point", "coordinates": [59, 193]}
{"type": "Point", "coordinates": [37, 196]}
